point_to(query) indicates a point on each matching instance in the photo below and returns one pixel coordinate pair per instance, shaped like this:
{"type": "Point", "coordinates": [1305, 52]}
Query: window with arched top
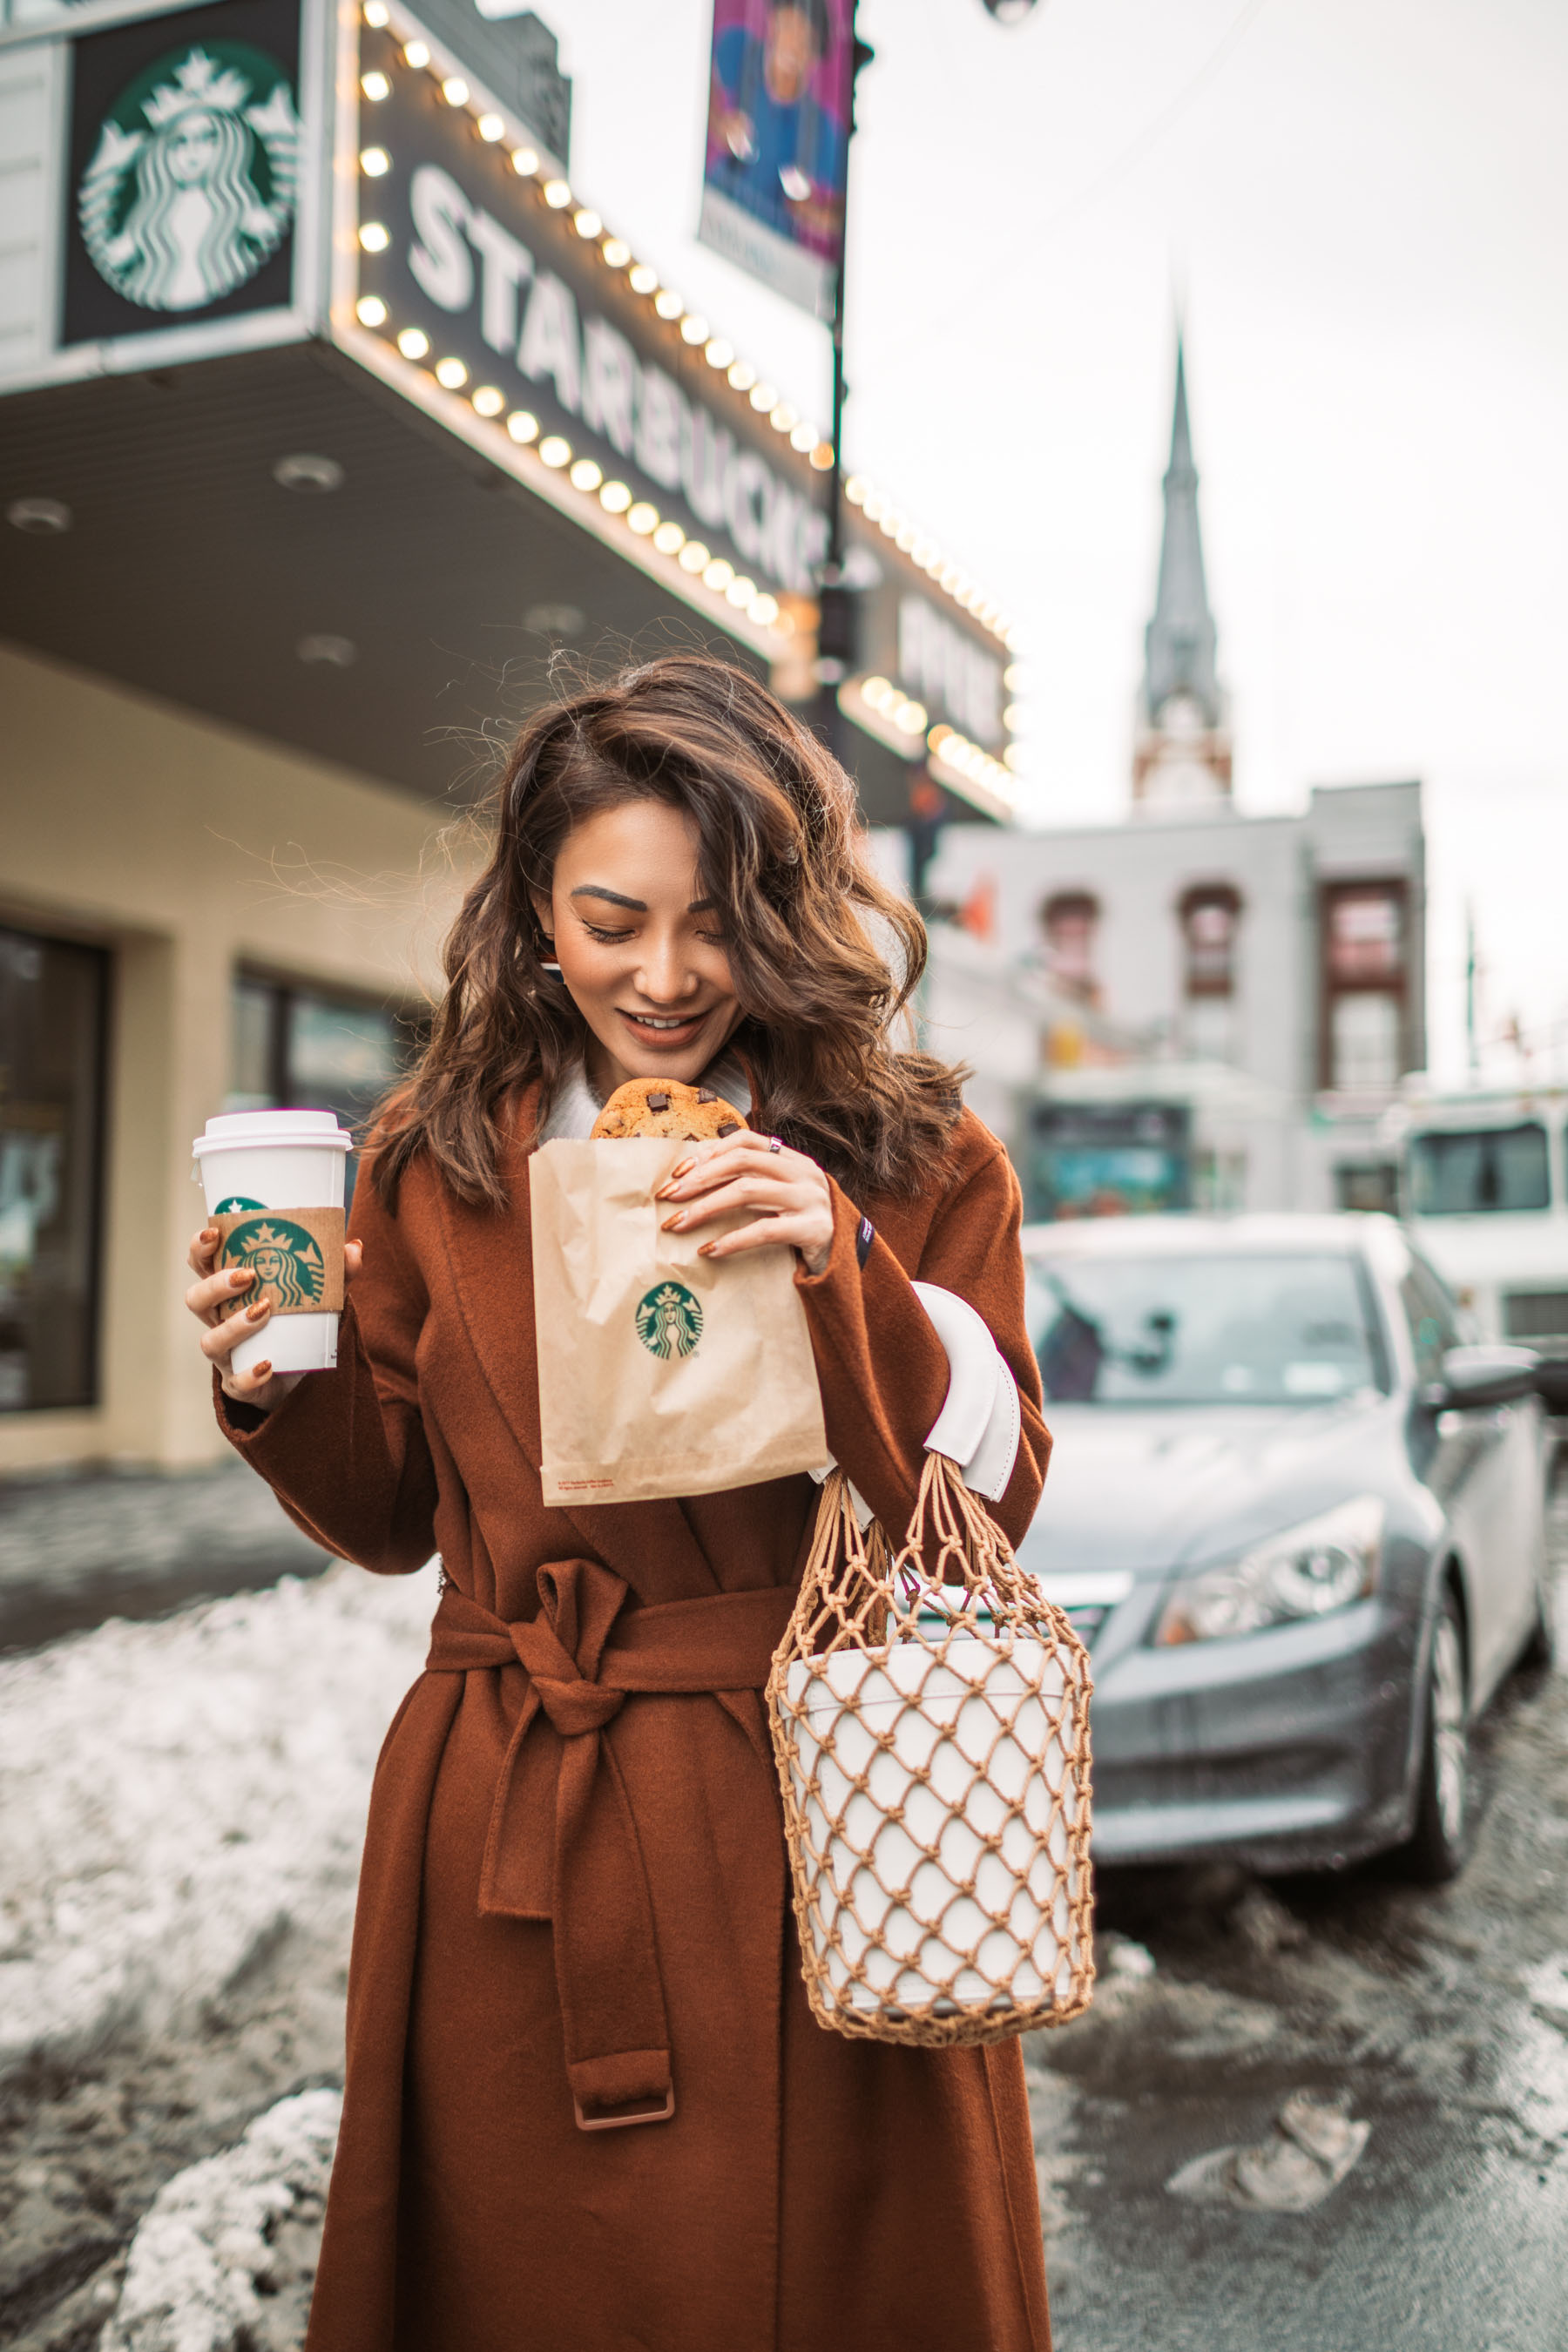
{"type": "Point", "coordinates": [1070, 919]}
{"type": "Point", "coordinates": [1211, 919]}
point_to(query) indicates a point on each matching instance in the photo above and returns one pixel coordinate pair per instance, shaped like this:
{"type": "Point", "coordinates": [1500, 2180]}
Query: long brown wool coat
{"type": "Point", "coordinates": [572, 1893]}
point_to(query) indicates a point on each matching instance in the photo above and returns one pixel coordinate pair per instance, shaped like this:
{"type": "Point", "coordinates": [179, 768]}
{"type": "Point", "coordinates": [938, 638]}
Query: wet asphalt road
{"type": "Point", "coordinates": [1439, 2018]}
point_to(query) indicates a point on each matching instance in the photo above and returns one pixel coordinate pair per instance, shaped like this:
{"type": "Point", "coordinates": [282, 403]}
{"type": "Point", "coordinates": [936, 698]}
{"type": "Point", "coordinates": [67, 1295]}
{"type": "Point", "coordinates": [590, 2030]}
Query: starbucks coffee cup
{"type": "Point", "coordinates": [274, 1186]}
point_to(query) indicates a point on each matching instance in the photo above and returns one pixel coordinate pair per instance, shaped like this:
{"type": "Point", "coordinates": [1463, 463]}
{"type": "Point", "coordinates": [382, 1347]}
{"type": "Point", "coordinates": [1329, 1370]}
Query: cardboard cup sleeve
{"type": "Point", "coordinates": [295, 1254]}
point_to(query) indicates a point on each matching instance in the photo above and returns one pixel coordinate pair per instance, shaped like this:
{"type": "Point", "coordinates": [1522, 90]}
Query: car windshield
{"type": "Point", "coordinates": [1465, 1172]}
{"type": "Point", "coordinates": [1210, 1329]}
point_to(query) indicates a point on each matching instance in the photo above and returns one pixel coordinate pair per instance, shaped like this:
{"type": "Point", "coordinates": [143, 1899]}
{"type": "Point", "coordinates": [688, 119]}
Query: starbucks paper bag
{"type": "Point", "coordinates": [660, 1372]}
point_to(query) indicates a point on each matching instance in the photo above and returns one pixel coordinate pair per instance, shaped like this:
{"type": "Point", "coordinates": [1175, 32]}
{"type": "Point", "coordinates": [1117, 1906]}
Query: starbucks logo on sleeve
{"type": "Point", "coordinates": [191, 186]}
{"type": "Point", "coordinates": [670, 1320]}
{"type": "Point", "coordinates": [283, 1258]}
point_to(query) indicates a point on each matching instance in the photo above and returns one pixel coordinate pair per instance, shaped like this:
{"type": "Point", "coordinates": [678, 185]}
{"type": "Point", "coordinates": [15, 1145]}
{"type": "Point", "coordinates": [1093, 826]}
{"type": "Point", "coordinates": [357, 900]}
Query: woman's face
{"type": "Point", "coordinates": [639, 950]}
{"type": "Point", "coordinates": [193, 151]}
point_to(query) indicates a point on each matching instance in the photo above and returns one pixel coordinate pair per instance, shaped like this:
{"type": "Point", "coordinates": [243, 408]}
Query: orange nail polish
{"type": "Point", "coordinates": [263, 1369]}
{"type": "Point", "coordinates": [673, 1224]}
{"type": "Point", "coordinates": [682, 1168]}
{"type": "Point", "coordinates": [705, 1249]}
{"type": "Point", "coordinates": [256, 1309]}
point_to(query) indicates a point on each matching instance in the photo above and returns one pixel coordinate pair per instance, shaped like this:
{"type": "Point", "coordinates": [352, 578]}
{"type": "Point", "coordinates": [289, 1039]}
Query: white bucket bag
{"type": "Point", "coordinates": [929, 1715]}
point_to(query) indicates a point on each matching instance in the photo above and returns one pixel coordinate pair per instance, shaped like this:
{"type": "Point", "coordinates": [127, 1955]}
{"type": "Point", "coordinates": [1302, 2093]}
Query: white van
{"type": "Point", "coordinates": [1483, 1182]}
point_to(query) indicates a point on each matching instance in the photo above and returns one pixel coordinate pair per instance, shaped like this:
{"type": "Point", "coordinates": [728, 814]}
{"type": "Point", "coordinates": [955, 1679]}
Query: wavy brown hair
{"type": "Point", "coordinates": [778, 854]}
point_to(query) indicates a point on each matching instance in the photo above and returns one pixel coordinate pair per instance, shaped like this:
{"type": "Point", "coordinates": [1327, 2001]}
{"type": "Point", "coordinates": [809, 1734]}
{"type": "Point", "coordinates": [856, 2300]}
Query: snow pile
{"type": "Point", "coordinates": [175, 1797]}
{"type": "Point", "coordinates": [226, 2256]}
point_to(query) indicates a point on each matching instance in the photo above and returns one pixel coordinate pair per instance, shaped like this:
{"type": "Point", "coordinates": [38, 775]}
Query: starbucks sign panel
{"type": "Point", "coordinates": [185, 155]}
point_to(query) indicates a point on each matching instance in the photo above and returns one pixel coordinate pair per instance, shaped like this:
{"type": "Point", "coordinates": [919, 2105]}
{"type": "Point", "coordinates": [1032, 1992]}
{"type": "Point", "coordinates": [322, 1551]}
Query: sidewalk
{"type": "Point", "coordinates": [75, 1550]}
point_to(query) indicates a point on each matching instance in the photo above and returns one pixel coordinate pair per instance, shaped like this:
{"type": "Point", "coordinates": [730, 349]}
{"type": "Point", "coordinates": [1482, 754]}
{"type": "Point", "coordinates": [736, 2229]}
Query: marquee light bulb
{"type": "Point", "coordinates": [784, 417]}
{"type": "Point", "coordinates": [618, 252]}
{"type": "Point", "coordinates": [524, 162]}
{"type": "Point", "coordinates": [492, 127]}
{"type": "Point", "coordinates": [412, 343]}
{"type": "Point", "coordinates": [718, 353]}
{"type": "Point", "coordinates": [693, 328]}
{"type": "Point", "coordinates": [718, 575]}
{"type": "Point", "coordinates": [374, 162]}
{"type": "Point", "coordinates": [670, 539]}
{"type": "Point", "coordinates": [904, 539]}
{"type": "Point", "coordinates": [642, 519]}
{"type": "Point", "coordinates": [764, 395]}
{"type": "Point", "coordinates": [1013, 757]}
{"type": "Point", "coordinates": [452, 373]}
{"type": "Point", "coordinates": [667, 303]}
{"type": "Point", "coordinates": [856, 489]}
{"type": "Point", "coordinates": [375, 86]}
{"type": "Point", "coordinates": [488, 401]}
{"type": "Point", "coordinates": [557, 195]}
{"type": "Point", "coordinates": [909, 718]}
{"type": "Point", "coordinates": [615, 498]}
{"type": "Point", "coordinates": [523, 425]}
{"type": "Point", "coordinates": [370, 310]}
{"type": "Point", "coordinates": [377, 15]}
{"type": "Point", "coordinates": [586, 475]}
{"type": "Point", "coordinates": [764, 610]}
{"type": "Point", "coordinates": [555, 451]}
{"type": "Point", "coordinates": [822, 457]}
{"type": "Point", "coordinates": [804, 437]}
{"type": "Point", "coordinates": [375, 236]}
{"type": "Point", "coordinates": [454, 91]}
{"type": "Point", "coordinates": [741, 592]}
{"type": "Point", "coordinates": [417, 55]}
{"type": "Point", "coordinates": [694, 556]}
{"type": "Point", "coordinates": [587, 224]}
{"type": "Point", "coordinates": [1016, 715]}
{"type": "Point", "coordinates": [743, 375]}
{"type": "Point", "coordinates": [643, 279]}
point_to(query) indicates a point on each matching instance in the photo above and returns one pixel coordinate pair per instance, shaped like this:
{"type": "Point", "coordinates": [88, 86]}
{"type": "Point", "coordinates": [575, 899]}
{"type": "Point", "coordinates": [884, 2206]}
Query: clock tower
{"type": "Point", "coordinates": [1181, 760]}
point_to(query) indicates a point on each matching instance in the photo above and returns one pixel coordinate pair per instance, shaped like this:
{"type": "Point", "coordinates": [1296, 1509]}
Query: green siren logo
{"type": "Point", "coordinates": [670, 1320]}
{"type": "Point", "coordinates": [283, 1258]}
{"type": "Point", "coordinates": [193, 183]}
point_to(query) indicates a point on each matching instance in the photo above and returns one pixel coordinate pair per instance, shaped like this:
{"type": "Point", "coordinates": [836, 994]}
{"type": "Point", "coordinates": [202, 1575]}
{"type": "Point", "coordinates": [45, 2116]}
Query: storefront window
{"type": "Point", "coordinates": [52, 997]}
{"type": "Point", "coordinates": [300, 1048]}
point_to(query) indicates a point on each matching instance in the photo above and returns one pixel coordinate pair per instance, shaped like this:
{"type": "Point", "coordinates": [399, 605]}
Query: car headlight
{"type": "Point", "coordinates": [1307, 1571]}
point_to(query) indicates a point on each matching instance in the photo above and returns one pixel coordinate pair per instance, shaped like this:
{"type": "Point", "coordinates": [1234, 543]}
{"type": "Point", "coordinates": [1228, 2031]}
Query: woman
{"type": "Point", "coordinates": [574, 1910]}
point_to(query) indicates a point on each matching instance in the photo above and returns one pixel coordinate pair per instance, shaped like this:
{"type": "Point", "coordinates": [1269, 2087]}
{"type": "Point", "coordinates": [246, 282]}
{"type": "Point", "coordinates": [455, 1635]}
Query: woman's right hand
{"type": "Point", "coordinates": [211, 1294]}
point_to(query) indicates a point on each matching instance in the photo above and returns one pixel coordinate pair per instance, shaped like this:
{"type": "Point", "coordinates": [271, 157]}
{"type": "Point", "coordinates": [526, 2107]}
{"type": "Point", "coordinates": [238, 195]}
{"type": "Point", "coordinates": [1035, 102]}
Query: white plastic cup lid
{"type": "Point", "coordinates": [250, 1130]}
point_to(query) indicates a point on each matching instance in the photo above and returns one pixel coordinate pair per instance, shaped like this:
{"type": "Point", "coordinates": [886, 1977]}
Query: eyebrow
{"type": "Point", "coordinates": [638, 906]}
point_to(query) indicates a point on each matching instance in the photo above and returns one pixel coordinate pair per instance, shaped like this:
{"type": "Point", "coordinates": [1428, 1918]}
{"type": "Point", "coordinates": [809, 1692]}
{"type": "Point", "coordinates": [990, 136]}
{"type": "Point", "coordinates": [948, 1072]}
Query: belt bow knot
{"type": "Point", "coordinates": [601, 1903]}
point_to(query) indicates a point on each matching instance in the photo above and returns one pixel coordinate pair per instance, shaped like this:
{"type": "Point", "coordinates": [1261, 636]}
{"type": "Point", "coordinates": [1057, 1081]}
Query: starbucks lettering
{"type": "Point", "coordinates": [469, 263]}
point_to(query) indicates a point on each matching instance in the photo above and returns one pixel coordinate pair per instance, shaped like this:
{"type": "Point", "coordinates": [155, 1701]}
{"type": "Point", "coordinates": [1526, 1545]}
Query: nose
{"type": "Point", "coordinates": [664, 976]}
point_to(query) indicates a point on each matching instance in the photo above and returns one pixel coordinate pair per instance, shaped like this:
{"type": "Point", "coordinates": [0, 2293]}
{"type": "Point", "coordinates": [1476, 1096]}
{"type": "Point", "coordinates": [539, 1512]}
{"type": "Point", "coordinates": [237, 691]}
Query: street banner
{"type": "Point", "coordinates": [778, 139]}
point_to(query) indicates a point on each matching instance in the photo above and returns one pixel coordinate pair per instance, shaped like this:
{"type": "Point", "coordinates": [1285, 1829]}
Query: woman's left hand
{"type": "Point", "coordinates": [788, 1191]}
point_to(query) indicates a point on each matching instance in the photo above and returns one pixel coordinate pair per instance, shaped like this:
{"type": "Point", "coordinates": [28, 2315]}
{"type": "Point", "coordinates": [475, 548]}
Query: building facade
{"type": "Point", "coordinates": [332, 419]}
{"type": "Point", "coordinates": [1194, 1007]}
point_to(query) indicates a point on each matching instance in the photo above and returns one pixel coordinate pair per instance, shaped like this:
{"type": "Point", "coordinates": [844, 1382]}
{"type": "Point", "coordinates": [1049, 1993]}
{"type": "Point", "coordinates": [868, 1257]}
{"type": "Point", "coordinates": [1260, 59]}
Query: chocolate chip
{"type": "Point", "coordinates": [730, 1127]}
{"type": "Point", "coordinates": [658, 1102]}
{"type": "Point", "coordinates": [705, 1094]}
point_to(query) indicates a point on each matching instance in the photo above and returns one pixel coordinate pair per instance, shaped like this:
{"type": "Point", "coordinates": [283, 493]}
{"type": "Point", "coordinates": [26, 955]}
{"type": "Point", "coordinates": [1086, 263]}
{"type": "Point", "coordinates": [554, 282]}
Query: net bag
{"type": "Point", "coordinates": [930, 1717]}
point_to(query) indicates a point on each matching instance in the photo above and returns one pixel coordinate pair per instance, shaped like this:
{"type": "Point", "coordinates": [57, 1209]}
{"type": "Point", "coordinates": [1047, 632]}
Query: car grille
{"type": "Point", "coordinates": [1535, 1314]}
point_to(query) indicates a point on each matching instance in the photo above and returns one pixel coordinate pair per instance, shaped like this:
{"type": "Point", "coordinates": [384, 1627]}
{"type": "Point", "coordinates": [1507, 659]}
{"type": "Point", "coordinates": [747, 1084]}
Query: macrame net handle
{"type": "Point", "coordinates": [930, 1714]}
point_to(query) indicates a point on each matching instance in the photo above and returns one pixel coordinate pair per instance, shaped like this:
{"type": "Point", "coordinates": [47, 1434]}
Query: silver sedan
{"type": "Point", "coordinates": [1300, 1522]}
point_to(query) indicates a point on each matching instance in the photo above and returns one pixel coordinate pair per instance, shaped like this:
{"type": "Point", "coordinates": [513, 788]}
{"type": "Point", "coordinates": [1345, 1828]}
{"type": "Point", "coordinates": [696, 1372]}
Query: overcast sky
{"type": "Point", "coordinates": [1361, 206]}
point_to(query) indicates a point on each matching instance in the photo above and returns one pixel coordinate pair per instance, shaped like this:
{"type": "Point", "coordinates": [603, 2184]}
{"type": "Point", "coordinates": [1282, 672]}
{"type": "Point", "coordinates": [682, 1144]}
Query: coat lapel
{"type": "Point", "coordinates": [489, 1253]}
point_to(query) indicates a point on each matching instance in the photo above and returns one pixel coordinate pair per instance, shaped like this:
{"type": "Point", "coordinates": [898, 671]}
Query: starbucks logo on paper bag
{"type": "Point", "coordinates": [283, 1258]}
{"type": "Point", "coordinates": [670, 1320]}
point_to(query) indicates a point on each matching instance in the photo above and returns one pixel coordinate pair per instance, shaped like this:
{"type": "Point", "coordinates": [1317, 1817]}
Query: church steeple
{"type": "Point", "coordinates": [1183, 756]}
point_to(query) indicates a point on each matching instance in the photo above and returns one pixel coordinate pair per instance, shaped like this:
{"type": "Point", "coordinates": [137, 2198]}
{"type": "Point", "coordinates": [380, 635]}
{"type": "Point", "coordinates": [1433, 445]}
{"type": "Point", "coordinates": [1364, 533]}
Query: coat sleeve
{"type": "Point", "coordinates": [883, 1368]}
{"type": "Point", "coordinates": [346, 1452]}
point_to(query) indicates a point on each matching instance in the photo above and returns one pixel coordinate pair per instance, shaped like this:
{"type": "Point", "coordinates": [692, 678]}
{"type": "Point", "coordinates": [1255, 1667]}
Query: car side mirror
{"type": "Point", "coordinates": [1482, 1376]}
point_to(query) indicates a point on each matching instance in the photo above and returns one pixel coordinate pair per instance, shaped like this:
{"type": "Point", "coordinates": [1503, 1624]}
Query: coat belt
{"type": "Point", "coordinates": [606, 1953]}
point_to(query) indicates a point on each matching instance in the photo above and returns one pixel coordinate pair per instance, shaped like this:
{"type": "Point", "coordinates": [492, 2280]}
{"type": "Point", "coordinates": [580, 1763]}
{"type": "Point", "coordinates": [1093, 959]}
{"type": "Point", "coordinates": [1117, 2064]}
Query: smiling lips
{"type": "Point", "coordinates": [658, 1030]}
